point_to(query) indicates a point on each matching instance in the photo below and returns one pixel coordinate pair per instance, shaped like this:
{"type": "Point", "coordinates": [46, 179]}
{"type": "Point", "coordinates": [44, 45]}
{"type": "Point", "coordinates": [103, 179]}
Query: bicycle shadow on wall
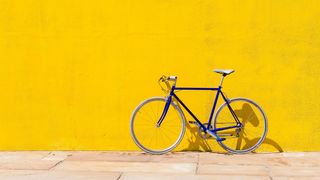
{"type": "Point", "coordinates": [245, 139]}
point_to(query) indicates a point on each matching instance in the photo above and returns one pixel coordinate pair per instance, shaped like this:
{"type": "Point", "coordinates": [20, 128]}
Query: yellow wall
{"type": "Point", "coordinates": [71, 71]}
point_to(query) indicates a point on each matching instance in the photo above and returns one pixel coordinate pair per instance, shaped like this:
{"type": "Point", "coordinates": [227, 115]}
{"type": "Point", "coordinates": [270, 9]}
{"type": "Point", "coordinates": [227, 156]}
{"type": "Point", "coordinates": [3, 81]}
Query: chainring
{"type": "Point", "coordinates": [203, 134]}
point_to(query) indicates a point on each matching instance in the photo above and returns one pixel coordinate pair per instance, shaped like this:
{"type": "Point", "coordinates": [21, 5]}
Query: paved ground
{"type": "Point", "coordinates": [92, 165]}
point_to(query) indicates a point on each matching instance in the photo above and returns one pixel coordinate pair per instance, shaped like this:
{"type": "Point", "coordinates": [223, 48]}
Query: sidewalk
{"type": "Point", "coordinates": [92, 165]}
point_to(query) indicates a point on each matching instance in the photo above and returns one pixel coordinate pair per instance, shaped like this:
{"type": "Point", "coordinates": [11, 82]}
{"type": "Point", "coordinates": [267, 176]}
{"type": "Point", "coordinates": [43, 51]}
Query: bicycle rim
{"type": "Point", "coordinates": [149, 137]}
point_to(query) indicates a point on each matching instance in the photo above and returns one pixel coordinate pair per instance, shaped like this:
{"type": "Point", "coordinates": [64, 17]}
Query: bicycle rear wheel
{"type": "Point", "coordinates": [149, 137]}
{"type": "Point", "coordinates": [250, 136]}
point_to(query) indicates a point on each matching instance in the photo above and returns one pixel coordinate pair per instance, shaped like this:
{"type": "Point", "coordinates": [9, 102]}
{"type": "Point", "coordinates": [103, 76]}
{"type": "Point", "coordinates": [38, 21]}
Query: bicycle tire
{"type": "Point", "coordinates": [251, 144]}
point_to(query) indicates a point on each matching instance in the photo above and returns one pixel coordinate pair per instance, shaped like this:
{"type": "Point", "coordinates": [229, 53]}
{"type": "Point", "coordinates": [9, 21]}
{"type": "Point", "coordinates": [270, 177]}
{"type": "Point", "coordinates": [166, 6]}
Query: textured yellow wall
{"type": "Point", "coordinates": [71, 72]}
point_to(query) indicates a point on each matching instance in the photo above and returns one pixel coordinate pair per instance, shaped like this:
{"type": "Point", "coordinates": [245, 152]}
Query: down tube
{"type": "Point", "coordinates": [188, 110]}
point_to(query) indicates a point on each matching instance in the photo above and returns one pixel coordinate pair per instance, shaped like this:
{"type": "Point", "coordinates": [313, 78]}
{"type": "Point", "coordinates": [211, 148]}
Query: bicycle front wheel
{"type": "Point", "coordinates": [145, 132]}
{"type": "Point", "coordinates": [254, 125]}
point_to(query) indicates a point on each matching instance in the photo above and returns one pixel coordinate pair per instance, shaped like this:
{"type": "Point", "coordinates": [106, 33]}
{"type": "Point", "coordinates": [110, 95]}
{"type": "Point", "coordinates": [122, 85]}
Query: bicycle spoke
{"type": "Point", "coordinates": [148, 120]}
{"type": "Point", "coordinates": [148, 115]}
{"type": "Point", "coordinates": [155, 115]}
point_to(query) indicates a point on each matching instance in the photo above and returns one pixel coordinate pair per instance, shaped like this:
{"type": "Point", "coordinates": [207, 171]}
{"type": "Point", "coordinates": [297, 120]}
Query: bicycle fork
{"type": "Point", "coordinates": [165, 110]}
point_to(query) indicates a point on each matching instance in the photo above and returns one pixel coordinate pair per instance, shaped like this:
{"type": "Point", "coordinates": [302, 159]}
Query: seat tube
{"type": "Point", "coordinates": [214, 106]}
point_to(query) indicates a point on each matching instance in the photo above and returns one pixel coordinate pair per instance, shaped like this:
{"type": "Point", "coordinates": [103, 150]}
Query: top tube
{"type": "Point", "coordinates": [195, 88]}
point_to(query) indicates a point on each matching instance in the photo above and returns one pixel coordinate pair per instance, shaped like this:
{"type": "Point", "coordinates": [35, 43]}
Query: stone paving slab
{"type": "Point", "coordinates": [26, 160]}
{"type": "Point", "coordinates": [181, 157]}
{"type": "Point", "coordinates": [295, 171]}
{"type": "Point", "coordinates": [157, 176]}
{"type": "Point", "coordinates": [294, 178]}
{"type": "Point", "coordinates": [263, 159]}
{"type": "Point", "coordinates": [57, 155]}
{"type": "Point", "coordinates": [56, 175]}
{"type": "Point", "coordinates": [127, 166]}
{"type": "Point", "coordinates": [232, 170]}
{"type": "Point", "coordinates": [247, 159]}
{"type": "Point", "coordinates": [9, 155]}
{"type": "Point", "coordinates": [78, 165]}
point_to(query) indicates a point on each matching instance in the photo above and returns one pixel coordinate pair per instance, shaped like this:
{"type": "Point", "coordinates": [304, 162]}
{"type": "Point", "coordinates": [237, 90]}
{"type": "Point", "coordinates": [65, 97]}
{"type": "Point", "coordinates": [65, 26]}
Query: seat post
{"type": "Point", "coordinates": [221, 81]}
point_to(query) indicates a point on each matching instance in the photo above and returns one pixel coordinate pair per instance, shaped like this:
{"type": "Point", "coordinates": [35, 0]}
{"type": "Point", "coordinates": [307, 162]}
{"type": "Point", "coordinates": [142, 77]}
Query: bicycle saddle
{"type": "Point", "coordinates": [224, 72]}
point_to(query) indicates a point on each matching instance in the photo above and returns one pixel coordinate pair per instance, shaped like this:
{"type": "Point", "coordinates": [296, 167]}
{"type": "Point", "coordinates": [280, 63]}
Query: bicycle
{"type": "Point", "coordinates": [157, 124]}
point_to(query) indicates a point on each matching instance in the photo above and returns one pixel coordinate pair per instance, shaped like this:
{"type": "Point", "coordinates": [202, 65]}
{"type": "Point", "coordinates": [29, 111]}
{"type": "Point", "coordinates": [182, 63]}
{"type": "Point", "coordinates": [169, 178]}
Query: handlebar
{"type": "Point", "coordinates": [166, 80]}
{"type": "Point", "coordinates": [169, 78]}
